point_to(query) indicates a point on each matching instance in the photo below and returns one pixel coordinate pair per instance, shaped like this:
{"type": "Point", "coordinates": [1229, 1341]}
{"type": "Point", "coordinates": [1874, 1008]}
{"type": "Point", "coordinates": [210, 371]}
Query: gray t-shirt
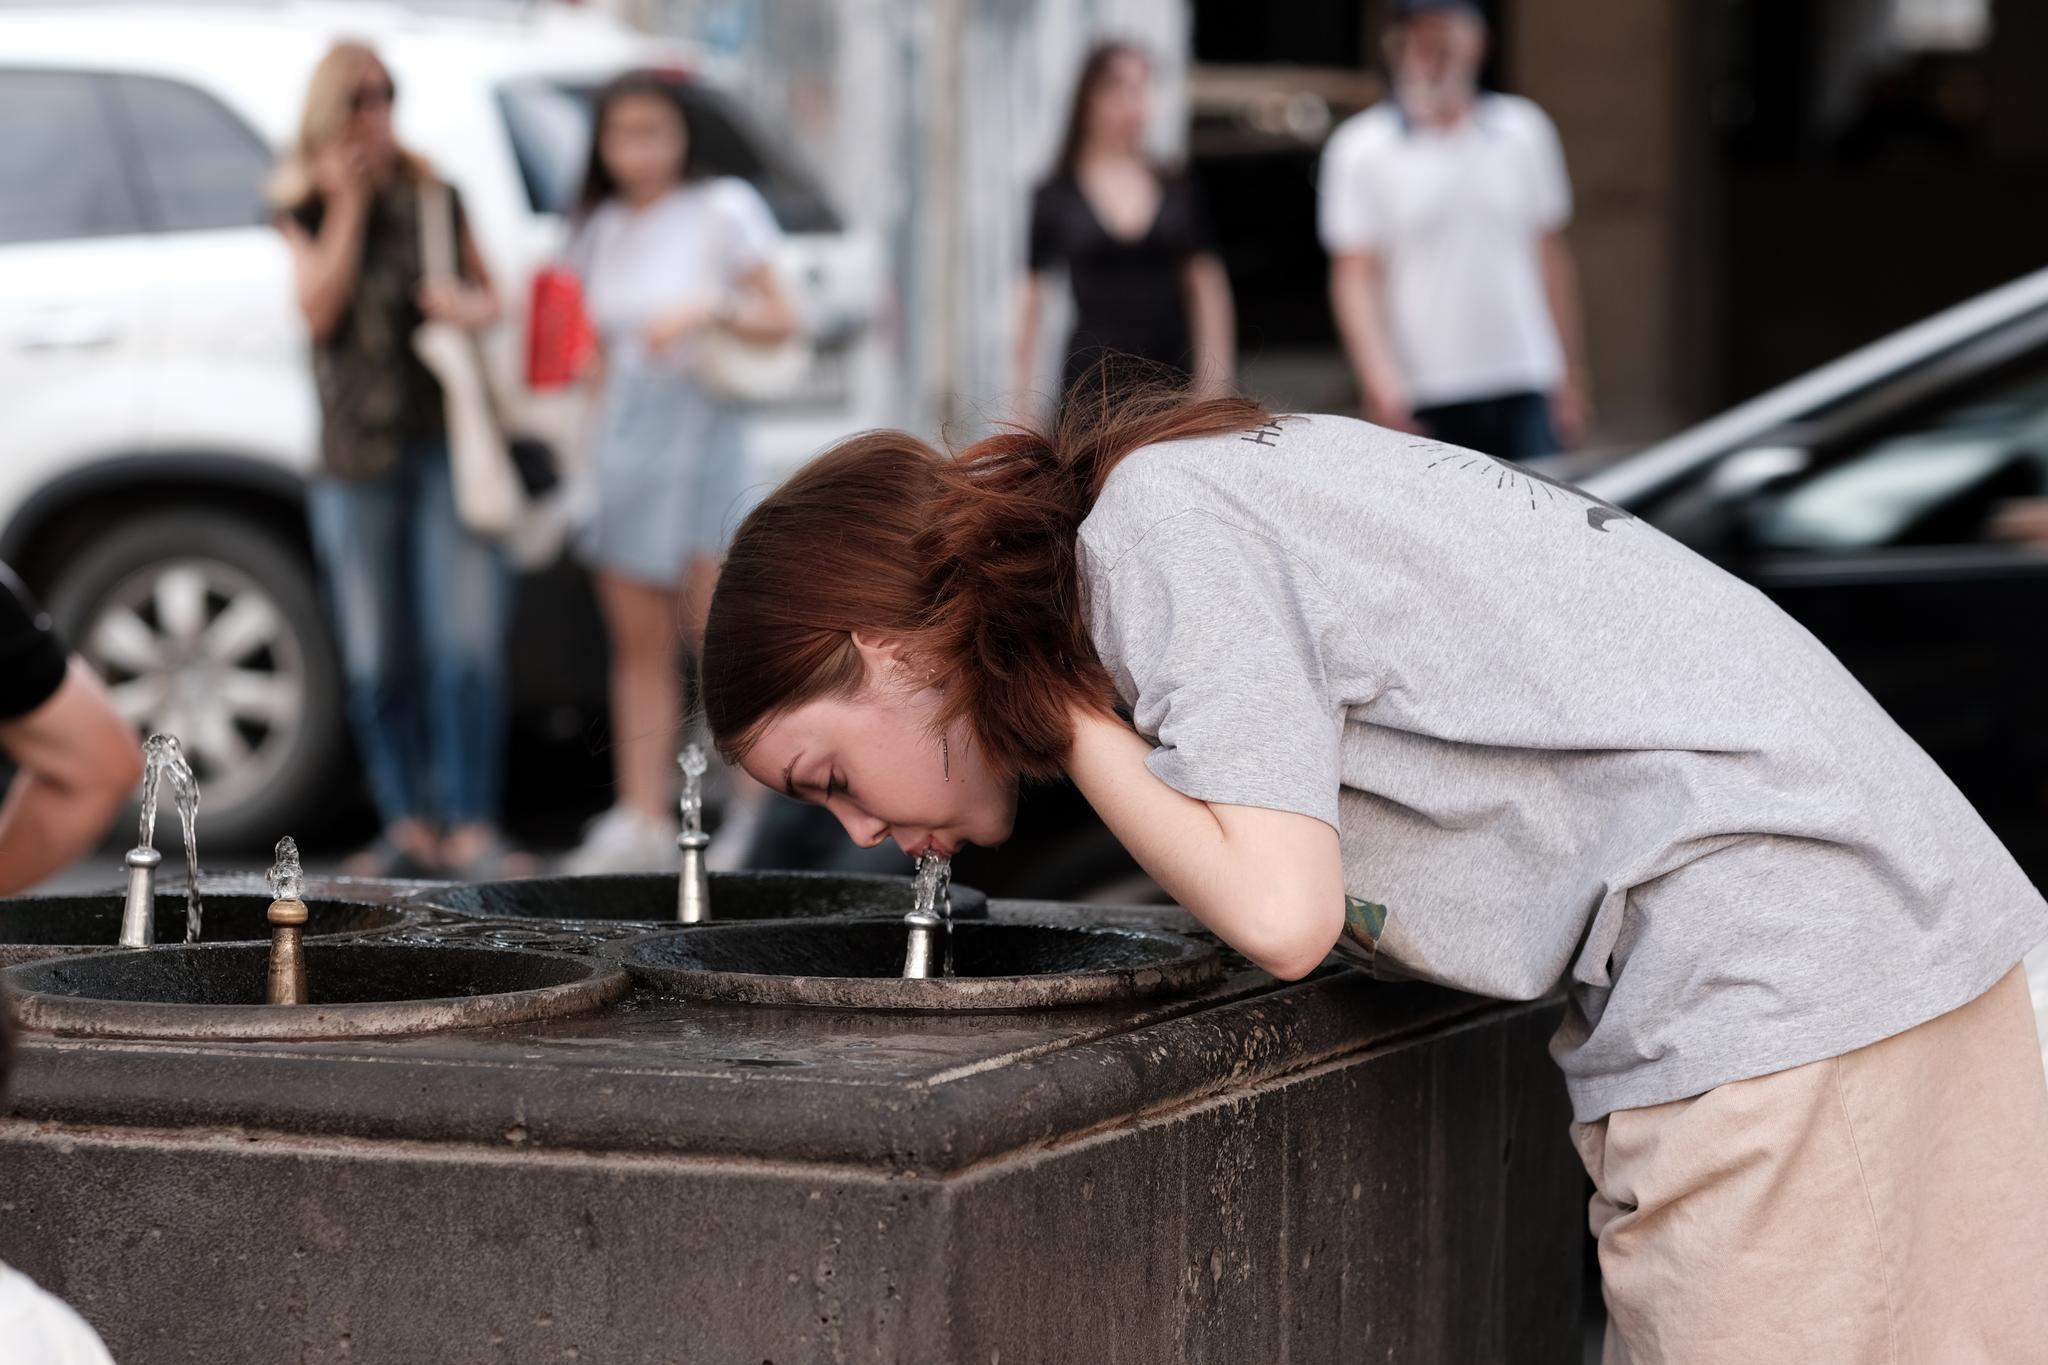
{"type": "Point", "coordinates": [1558, 748]}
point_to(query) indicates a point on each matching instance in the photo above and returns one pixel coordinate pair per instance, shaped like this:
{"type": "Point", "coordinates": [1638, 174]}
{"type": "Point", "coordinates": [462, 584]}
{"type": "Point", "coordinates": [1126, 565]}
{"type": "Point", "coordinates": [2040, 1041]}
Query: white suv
{"type": "Point", "coordinates": [160, 415]}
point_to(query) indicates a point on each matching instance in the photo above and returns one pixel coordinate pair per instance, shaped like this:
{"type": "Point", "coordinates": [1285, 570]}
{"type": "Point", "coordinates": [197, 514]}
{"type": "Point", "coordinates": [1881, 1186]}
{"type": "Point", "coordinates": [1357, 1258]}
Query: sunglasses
{"type": "Point", "coordinates": [372, 97]}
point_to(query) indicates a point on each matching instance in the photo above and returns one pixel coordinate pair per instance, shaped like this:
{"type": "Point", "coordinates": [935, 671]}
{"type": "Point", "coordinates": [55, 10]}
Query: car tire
{"type": "Point", "coordinates": [209, 626]}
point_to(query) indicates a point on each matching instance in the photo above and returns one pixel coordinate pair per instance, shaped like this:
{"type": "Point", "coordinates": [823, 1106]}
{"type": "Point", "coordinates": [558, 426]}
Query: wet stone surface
{"type": "Point", "coordinates": [435, 928]}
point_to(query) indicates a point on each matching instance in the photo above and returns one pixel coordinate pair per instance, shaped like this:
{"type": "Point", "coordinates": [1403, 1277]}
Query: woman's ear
{"type": "Point", "coordinates": [881, 655]}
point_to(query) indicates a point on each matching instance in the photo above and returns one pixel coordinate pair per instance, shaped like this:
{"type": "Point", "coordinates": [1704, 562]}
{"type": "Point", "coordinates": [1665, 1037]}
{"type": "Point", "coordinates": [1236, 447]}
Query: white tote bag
{"type": "Point", "coordinates": [741, 370]}
{"type": "Point", "coordinates": [488, 495]}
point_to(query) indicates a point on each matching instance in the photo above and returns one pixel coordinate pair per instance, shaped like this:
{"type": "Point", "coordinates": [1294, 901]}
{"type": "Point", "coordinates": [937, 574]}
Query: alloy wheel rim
{"type": "Point", "coordinates": [200, 649]}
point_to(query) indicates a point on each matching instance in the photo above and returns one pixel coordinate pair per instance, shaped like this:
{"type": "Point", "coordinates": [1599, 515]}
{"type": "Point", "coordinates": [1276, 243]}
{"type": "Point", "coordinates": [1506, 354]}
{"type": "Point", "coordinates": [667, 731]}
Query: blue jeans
{"type": "Point", "coordinates": [420, 607]}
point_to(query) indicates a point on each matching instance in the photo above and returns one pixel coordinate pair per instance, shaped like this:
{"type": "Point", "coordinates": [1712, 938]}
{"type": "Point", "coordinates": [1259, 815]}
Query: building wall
{"type": "Point", "coordinates": [1610, 76]}
{"type": "Point", "coordinates": [929, 121]}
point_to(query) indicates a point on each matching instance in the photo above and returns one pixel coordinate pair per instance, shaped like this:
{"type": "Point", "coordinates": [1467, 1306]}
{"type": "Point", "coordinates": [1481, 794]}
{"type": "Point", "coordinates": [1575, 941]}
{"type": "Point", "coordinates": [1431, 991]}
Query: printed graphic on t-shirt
{"type": "Point", "coordinates": [1514, 480]}
{"type": "Point", "coordinates": [1364, 920]}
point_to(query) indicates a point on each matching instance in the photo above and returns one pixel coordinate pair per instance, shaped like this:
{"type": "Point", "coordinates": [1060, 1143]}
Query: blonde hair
{"type": "Point", "coordinates": [330, 93]}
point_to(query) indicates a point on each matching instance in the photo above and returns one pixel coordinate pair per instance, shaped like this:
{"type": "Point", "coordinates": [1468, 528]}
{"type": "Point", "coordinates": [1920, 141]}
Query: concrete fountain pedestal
{"type": "Point", "coordinates": [1335, 1169]}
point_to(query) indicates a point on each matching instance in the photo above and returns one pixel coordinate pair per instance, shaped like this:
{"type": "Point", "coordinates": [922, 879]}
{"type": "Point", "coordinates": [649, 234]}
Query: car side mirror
{"type": "Point", "coordinates": [1748, 471]}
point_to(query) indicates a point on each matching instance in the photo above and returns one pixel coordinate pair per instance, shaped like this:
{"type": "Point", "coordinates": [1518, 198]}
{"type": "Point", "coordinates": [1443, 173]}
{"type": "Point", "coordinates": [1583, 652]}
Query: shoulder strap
{"type": "Point", "coordinates": [437, 232]}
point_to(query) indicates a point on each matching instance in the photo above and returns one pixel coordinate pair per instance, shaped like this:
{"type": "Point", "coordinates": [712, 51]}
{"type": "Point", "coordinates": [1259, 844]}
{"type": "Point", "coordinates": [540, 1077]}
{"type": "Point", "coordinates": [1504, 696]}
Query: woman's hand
{"type": "Point", "coordinates": [1571, 410]}
{"type": "Point", "coordinates": [458, 304]}
{"type": "Point", "coordinates": [341, 172]}
{"type": "Point", "coordinates": [1269, 883]}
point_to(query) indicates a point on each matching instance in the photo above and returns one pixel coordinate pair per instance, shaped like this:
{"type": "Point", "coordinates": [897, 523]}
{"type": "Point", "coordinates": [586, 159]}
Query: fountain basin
{"type": "Point", "coordinates": [857, 964]}
{"type": "Point", "coordinates": [357, 990]}
{"type": "Point", "coordinates": [35, 927]}
{"type": "Point", "coordinates": [650, 898]}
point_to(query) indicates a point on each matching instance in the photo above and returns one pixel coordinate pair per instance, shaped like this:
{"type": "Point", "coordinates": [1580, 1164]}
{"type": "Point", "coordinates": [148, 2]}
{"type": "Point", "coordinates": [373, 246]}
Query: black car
{"type": "Point", "coordinates": [1884, 502]}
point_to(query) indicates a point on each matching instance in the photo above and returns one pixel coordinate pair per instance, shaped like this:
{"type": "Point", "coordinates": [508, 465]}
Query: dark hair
{"type": "Point", "coordinates": [1094, 71]}
{"type": "Point", "coordinates": [969, 561]}
{"type": "Point", "coordinates": [598, 184]}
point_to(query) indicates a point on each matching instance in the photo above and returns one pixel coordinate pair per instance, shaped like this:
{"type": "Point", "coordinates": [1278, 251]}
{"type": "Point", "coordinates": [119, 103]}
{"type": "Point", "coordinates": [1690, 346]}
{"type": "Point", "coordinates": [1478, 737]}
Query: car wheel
{"type": "Point", "coordinates": [209, 627]}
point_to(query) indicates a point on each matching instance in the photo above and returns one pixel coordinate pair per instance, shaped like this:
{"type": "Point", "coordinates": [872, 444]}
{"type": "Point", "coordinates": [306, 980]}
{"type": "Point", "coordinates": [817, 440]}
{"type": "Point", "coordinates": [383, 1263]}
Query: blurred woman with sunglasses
{"type": "Point", "coordinates": [419, 601]}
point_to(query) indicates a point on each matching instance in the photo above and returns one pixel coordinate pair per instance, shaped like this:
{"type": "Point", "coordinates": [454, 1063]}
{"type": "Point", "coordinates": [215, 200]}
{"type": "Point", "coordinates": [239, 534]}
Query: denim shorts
{"type": "Point", "coordinates": [670, 466]}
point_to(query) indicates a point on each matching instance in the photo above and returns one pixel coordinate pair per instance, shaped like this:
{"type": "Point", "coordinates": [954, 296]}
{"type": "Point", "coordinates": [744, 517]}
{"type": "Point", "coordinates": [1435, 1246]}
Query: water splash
{"type": "Point", "coordinates": [694, 765]}
{"type": "Point", "coordinates": [163, 760]}
{"type": "Point", "coordinates": [287, 876]}
{"type": "Point", "coordinates": [932, 893]}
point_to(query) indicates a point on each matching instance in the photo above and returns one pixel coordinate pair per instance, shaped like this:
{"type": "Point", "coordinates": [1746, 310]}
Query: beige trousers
{"type": "Point", "coordinates": [1887, 1205]}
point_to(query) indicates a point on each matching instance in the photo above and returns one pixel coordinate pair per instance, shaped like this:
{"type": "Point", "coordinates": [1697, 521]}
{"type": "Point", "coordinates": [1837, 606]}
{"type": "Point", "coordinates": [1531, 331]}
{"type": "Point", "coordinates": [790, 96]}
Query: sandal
{"type": "Point", "coordinates": [383, 859]}
{"type": "Point", "coordinates": [497, 859]}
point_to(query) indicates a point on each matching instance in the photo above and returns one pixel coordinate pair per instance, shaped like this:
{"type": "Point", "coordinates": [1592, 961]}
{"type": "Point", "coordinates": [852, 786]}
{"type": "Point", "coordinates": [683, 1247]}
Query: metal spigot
{"type": "Point", "coordinates": [138, 911]}
{"type": "Point", "coordinates": [285, 981]}
{"type": "Point", "coordinates": [931, 910]}
{"type": "Point", "coordinates": [693, 883]}
{"type": "Point", "coordinates": [923, 945]}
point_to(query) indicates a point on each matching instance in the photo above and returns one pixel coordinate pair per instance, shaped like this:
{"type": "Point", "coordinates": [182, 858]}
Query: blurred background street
{"type": "Point", "coordinates": [1759, 192]}
{"type": "Point", "coordinates": [1797, 319]}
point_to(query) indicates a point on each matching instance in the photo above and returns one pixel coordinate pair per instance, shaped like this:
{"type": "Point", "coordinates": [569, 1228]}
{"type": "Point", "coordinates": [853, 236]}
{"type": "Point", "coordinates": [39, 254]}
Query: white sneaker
{"type": "Point", "coordinates": [623, 840]}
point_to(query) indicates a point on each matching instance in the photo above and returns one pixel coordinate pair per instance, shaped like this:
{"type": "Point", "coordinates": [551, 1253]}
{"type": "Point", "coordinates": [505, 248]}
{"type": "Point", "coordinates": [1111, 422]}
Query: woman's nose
{"type": "Point", "coordinates": [864, 830]}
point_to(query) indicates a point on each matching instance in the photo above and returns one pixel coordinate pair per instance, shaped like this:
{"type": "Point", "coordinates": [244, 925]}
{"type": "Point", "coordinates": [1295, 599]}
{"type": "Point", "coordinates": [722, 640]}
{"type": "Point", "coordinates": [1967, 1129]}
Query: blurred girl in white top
{"type": "Point", "coordinates": [665, 254]}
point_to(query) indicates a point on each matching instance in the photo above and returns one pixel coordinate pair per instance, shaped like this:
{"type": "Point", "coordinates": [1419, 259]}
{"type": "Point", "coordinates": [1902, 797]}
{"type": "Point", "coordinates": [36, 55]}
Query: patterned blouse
{"type": "Point", "coordinates": [377, 400]}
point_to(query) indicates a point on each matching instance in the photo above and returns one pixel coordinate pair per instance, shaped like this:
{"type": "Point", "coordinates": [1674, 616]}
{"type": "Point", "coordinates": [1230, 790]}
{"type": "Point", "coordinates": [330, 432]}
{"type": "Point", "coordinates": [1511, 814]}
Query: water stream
{"type": "Point", "coordinates": [933, 894]}
{"type": "Point", "coordinates": [694, 765]}
{"type": "Point", "coordinates": [287, 875]}
{"type": "Point", "coordinates": [163, 759]}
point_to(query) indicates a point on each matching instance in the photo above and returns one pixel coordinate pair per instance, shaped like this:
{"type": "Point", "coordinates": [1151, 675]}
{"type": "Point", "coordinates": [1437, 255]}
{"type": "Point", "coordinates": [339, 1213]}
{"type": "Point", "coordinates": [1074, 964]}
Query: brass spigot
{"type": "Point", "coordinates": [285, 982]}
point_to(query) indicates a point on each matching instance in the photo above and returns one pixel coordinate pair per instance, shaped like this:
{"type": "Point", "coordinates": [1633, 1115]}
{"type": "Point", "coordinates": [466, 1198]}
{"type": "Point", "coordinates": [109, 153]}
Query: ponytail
{"type": "Point", "coordinates": [972, 562]}
{"type": "Point", "coordinates": [1007, 627]}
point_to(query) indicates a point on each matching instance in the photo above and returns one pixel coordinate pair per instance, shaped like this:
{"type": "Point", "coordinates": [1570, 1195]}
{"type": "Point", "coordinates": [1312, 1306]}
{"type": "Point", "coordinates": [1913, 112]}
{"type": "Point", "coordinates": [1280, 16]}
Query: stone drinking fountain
{"type": "Point", "coordinates": [755, 1117]}
{"type": "Point", "coordinates": [140, 916]}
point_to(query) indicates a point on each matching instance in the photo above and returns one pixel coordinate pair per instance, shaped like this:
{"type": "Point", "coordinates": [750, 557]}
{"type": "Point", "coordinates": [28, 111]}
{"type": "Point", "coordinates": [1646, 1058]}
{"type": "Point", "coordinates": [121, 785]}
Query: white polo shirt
{"type": "Point", "coordinates": [1457, 215]}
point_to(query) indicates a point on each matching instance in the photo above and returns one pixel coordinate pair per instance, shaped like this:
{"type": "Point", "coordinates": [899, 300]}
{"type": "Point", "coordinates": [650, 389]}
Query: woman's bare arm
{"type": "Point", "coordinates": [760, 311]}
{"type": "Point", "coordinates": [324, 263]}
{"type": "Point", "coordinates": [470, 302]}
{"type": "Point", "coordinates": [1212, 318]}
{"type": "Point", "coordinates": [77, 761]}
{"type": "Point", "coordinates": [1269, 883]}
{"type": "Point", "coordinates": [1357, 296]}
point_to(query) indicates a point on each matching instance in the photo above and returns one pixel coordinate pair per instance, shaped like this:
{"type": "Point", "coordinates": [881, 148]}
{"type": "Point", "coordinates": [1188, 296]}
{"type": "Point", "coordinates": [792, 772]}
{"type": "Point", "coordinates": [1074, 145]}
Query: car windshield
{"type": "Point", "coordinates": [550, 124]}
{"type": "Point", "coordinates": [1931, 480]}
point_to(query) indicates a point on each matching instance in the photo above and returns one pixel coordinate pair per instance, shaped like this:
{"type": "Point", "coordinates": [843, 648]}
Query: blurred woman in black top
{"type": "Point", "coordinates": [1149, 290]}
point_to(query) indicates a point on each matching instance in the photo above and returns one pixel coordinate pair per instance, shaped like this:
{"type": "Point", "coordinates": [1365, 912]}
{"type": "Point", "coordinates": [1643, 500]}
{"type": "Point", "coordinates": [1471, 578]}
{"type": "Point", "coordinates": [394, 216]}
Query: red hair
{"type": "Point", "coordinates": [969, 562]}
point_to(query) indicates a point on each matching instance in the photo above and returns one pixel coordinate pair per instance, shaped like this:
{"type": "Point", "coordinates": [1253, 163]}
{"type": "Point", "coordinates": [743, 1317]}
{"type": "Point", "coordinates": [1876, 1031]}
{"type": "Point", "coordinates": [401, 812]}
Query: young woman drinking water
{"type": "Point", "coordinates": [1466, 724]}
